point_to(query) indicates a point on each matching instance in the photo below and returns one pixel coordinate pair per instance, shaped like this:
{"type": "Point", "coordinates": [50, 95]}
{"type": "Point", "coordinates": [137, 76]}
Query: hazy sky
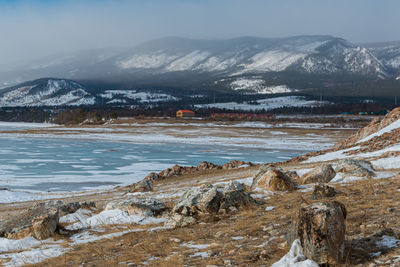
{"type": "Point", "coordinates": [33, 28]}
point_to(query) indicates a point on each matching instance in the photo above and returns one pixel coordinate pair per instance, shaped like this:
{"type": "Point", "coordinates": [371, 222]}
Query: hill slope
{"type": "Point", "coordinates": [46, 92]}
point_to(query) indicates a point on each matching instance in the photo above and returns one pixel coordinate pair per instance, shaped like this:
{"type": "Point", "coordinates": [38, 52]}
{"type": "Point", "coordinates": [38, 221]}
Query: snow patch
{"type": "Point", "coordinates": [267, 104]}
{"type": "Point", "coordinates": [18, 244]}
{"type": "Point", "coordinates": [257, 85]}
{"type": "Point", "coordinates": [295, 258]}
{"type": "Point", "coordinates": [32, 256]}
{"type": "Point", "coordinates": [387, 242]}
{"type": "Point", "coordinates": [387, 129]}
{"type": "Point", "coordinates": [144, 97]}
{"type": "Point", "coordinates": [116, 216]}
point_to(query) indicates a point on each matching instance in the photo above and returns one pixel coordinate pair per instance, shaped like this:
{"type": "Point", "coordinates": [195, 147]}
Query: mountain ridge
{"type": "Point", "coordinates": [240, 65]}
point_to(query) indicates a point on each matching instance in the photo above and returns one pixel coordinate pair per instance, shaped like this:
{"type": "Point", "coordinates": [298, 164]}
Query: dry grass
{"type": "Point", "coordinates": [372, 206]}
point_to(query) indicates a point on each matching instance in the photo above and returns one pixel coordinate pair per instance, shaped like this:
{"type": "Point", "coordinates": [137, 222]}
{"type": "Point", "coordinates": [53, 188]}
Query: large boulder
{"type": "Point", "coordinates": [320, 227]}
{"type": "Point", "coordinates": [204, 200]}
{"type": "Point", "coordinates": [234, 197]}
{"type": "Point", "coordinates": [139, 206]}
{"type": "Point", "coordinates": [39, 222]}
{"type": "Point", "coordinates": [142, 186]}
{"type": "Point", "coordinates": [353, 167]}
{"type": "Point", "coordinates": [274, 179]}
{"type": "Point", "coordinates": [323, 173]}
{"type": "Point", "coordinates": [209, 199]}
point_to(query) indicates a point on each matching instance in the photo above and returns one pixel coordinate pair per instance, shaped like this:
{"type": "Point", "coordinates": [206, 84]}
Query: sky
{"type": "Point", "coordinates": [32, 29]}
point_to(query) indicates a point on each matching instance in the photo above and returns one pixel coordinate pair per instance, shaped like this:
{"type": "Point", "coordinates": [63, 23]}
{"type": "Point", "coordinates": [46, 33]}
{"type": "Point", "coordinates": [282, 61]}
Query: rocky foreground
{"type": "Point", "coordinates": [336, 207]}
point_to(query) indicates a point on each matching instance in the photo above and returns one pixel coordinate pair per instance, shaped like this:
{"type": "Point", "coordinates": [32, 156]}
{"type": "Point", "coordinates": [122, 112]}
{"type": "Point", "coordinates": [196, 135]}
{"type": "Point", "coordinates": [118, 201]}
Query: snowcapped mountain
{"type": "Point", "coordinates": [46, 92]}
{"type": "Point", "coordinates": [310, 54]}
{"type": "Point", "coordinates": [244, 64]}
{"type": "Point", "coordinates": [388, 53]}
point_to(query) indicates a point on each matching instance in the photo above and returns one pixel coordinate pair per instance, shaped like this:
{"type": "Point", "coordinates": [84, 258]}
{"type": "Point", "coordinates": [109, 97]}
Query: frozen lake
{"type": "Point", "coordinates": [72, 165]}
{"type": "Point", "coordinates": [79, 162]}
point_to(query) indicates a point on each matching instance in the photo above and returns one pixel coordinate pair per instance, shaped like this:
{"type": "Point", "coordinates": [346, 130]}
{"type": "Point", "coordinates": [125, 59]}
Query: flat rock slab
{"type": "Point", "coordinates": [39, 222]}
{"type": "Point", "coordinates": [323, 173]}
{"type": "Point", "coordinates": [360, 168]}
{"type": "Point", "coordinates": [140, 206]}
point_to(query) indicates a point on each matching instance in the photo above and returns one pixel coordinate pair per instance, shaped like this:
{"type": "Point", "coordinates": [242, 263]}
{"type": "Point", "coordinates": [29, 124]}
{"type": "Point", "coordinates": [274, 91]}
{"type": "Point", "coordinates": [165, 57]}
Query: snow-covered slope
{"type": "Point", "coordinates": [46, 92]}
{"type": "Point", "coordinates": [254, 84]}
{"type": "Point", "coordinates": [311, 54]}
{"type": "Point", "coordinates": [123, 96]}
{"type": "Point", "coordinates": [61, 92]}
{"type": "Point", "coordinates": [266, 104]}
{"type": "Point", "coordinates": [388, 53]}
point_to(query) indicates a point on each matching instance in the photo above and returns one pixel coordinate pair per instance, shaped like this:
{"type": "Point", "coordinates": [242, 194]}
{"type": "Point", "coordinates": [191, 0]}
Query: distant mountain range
{"type": "Point", "coordinates": [241, 65]}
{"type": "Point", "coordinates": [61, 92]}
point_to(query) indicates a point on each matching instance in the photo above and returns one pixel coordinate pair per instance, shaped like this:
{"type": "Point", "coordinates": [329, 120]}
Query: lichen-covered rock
{"type": "Point", "coordinates": [207, 200]}
{"type": "Point", "coordinates": [140, 206]}
{"type": "Point", "coordinates": [323, 173]}
{"type": "Point", "coordinates": [262, 170]}
{"type": "Point", "coordinates": [320, 227]}
{"type": "Point", "coordinates": [353, 167]}
{"type": "Point", "coordinates": [142, 186]}
{"type": "Point", "coordinates": [323, 191]}
{"type": "Point", "coordinates": [234, 196]}
{"type": "Point", "coordinates": [204, 200]}
{"type": "Point", "coordinates": [274, 179]}
{"type": "Point", "coordinates": [39, 222]}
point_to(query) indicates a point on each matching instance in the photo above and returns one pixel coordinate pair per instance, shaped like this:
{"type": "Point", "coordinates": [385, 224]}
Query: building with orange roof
{"type": "Point", "coordinates": [182, 113]}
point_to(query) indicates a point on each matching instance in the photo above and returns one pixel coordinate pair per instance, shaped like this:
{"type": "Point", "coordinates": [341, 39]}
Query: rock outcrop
{"type": "Point", "coordinates": [138, 206]}
{"type": "Point", "coordinates": [376, 125]}
{"type": "Point", "coordinates": [320, 227]}
{"type": "Point", "coordinates": [353, 167]}
{"type": "Point", "coordinates": [323, 173]}
{"type": "Point", "coordinates": [204, 200]}
{"type": "Point", "coordinates": [274, 179]}
{"type": "Point", "coordinates": [203, 166]}
{"type": "Point", "coordinates": [72, 207]}
{"type": "Point", "coordinates": [209, 199]}
{"type": "Point", "coordinates": [234, 197]}
{"type": "Point", "coordinates": [142, 186]}
{"type": "Point", "coordinates": [323, 191]}
{"type": "Point", "coordinates": [65, 208]}
{"type": "Point", "coordinates": [39, 222]}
